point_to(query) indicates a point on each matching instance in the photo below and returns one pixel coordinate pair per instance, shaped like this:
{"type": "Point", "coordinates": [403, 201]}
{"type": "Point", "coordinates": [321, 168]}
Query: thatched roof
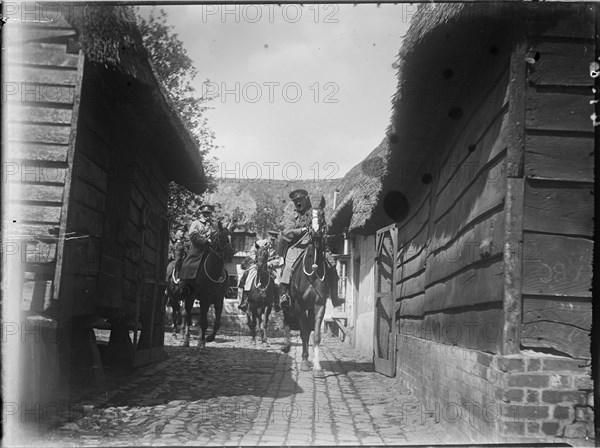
{"type": "Point", "coordinates": [360, 189]}
{"type": "Point", "coordinates": [445, 43]}
{"type": "Point", "coordinates": [109, 36]}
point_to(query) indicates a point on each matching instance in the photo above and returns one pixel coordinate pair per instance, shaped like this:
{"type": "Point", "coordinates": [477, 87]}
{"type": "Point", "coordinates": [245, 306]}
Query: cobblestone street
{"type": "Point", "coordinates": [235, 393]}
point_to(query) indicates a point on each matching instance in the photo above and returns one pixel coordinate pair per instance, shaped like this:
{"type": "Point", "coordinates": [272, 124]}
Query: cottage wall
{"type": "Point", "coordinates": [42, 89]}
{"type": "Point", "coordinates": [449, 274]}
{"type": "Point", "coordinates": [40, 92]}
{"type": "Point", "coordinates": [118, 205]}
{"type": "Point", "coordinates": [558, 203]}
{"type": "Point", "coordinates": [493, 335]}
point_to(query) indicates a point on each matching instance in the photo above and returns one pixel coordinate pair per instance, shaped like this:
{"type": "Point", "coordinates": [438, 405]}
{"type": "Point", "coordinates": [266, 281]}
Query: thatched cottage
{"type": "Point", "coordinates": [470, 228]}
{"type": "Point", "coordinates": [93, 141]}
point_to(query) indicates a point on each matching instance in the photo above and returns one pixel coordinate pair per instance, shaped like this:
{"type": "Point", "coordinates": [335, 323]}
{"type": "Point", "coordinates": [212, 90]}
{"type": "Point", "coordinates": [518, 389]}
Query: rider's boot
{"type": "Point", "coordinates": [284, 293]}
{"type": "Point", "coordinates": [244, 303]}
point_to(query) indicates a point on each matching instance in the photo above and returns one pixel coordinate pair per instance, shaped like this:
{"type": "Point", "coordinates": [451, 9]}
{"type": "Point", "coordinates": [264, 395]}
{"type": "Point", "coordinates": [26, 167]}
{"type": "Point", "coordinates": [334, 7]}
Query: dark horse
{"type": "Point", "coordinates": [209, 288]}
{"type": "Point", "coordinates": [262, 295]}
{"type": "Point", "coordinates": [309, 291]}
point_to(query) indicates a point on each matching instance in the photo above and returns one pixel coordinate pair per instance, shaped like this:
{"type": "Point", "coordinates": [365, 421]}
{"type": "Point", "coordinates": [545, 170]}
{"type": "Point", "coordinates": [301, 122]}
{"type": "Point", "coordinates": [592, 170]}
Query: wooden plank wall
{"type": "Point", "coordinates": [117, 177]}
{"type": "Point", "coordinates": [558, 204]}
{"type": "Point", "coordinates": [89, 189]}
{"type": "Point", "coordinates": [45, 77]}
{"type": "Point", "coordinates": [449, 267]}
{"type": "Point", "coordinates": [150, 190]}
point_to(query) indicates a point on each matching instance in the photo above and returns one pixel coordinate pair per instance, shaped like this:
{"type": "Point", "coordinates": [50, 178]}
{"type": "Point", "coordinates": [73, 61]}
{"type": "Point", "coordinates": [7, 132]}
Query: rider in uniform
{"type": "Point", "coordinates": [249, 266]}
{"type": "Point", "coordinates": [294, 240]}
{"type": "Point", "coordinates": [202, 232]}
{"type": "Point", "coordinates": [176, 249]}
{"type": "Point", "coordinates": [176, 253]}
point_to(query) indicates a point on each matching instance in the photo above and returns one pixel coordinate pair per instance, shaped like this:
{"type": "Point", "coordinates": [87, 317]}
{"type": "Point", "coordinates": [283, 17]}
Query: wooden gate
{"type": "Point", "coordinates": [384, 341]}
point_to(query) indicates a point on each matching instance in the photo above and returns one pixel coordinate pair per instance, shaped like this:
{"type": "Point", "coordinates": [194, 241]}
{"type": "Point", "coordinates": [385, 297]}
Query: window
{"type": "Point", "coordinates": [342, 268]}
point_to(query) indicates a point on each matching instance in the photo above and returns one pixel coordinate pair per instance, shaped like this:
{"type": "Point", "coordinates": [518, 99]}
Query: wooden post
{"type": "Point", "coordinates": [60, 248]}
{"type": "Point", "coordinates": [141, 276]}
{"type": "Point", "coordinates": [513, 208]}
{"type": "Point", "coordinates": [595, 334]}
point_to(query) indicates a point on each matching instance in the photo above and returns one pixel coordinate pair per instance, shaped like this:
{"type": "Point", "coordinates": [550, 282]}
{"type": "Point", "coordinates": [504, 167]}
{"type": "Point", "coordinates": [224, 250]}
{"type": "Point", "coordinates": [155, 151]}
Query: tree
{"type": "Point", "coordinates": [177, 71]}
{"type": "Point", "coordinates": [268, 214]}
{"type": "Point", "coordinates": [234, 206]}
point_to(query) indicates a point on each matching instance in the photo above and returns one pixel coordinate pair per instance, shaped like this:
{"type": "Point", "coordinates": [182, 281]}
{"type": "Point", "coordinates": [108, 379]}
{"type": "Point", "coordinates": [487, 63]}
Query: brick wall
{"type": "Point", "coordinates": [492, 398]}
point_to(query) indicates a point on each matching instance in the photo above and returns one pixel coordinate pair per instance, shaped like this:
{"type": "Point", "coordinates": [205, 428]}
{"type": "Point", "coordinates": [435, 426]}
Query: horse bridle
{"type": "Point", "coordinates": [316, 246]}
{"type": "Point", "coordinates": [256, 278]}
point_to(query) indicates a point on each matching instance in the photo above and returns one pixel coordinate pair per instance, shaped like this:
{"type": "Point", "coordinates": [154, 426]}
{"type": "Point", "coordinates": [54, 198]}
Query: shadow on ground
{"type": "Point", "coordinates": [189, 374]}
{"type": "Point", "coordinates": [346, 366]}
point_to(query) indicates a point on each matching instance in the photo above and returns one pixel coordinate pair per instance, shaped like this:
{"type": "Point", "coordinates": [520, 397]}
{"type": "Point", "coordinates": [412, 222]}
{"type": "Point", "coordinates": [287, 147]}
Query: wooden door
{"type": "Point", "coordinates": [384, 341]}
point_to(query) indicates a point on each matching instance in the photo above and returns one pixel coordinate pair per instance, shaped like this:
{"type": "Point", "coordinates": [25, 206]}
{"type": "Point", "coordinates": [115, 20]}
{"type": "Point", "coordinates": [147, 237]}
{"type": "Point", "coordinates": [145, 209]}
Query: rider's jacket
{"type": "Point", "coordinates": [292, 226]}
{"type": "Point", "coordinates": [297, 241]}
{"type": "Point", "coordinates": [201, 231]}
{"type": "Point", "coordinates": [176, 249]}
{"type": "Point", "coordinates": [274, 259]}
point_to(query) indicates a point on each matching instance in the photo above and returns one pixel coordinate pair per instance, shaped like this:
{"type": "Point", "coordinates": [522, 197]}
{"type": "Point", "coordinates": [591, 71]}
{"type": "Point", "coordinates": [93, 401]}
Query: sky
{"type": "Point", "coordinates": [304, 92]}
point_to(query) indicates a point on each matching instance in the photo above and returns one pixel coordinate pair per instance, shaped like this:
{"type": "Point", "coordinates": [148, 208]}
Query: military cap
{"type": "Point", "coordinates": [273, 233]}
{"type": "Point", "coordinates": [206, 208]}
{"type": "Point", "coordinates": [298, 194]}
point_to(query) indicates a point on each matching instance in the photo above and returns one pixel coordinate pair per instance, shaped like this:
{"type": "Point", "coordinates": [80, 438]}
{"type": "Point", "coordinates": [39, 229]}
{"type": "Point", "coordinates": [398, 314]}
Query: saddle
{"type": "Point", "coordinates": [300, 259]}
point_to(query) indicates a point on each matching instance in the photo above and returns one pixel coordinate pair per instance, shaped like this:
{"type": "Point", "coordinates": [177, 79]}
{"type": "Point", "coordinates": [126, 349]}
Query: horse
{"type": "Point", "coordinates": [209, 288]}
{"type": "Point", "coordinates": [309, 291]}
{"type": "Point", "coordinates": [174, 296]}
{"type": "Point", "coordinates": [261, 296]}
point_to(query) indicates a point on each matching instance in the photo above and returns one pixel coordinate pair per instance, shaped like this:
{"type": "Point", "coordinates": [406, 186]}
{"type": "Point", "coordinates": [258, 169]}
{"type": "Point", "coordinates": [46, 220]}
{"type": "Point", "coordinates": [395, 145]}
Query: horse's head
{"type": "Point", "coordinates": [224, 246]}
{"type": "Point", "coordinates": [317, 227]}
{"type": "Point", "coordinates": [261, 257]}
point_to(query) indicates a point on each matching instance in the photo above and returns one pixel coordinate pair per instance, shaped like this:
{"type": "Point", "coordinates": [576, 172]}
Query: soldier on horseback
{"type": "Point", "coordinates": [177, 251]}
{"type": "Point", "coordinates": [202, 232]}
{"type": "Point", "coordinates": [249, 266]}
{"type": "Point", "coordinates": [294, 241]}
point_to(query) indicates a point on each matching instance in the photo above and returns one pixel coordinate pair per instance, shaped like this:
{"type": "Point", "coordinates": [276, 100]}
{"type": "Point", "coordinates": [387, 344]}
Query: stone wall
{"type": "Point", "coordinates": [492, 398]}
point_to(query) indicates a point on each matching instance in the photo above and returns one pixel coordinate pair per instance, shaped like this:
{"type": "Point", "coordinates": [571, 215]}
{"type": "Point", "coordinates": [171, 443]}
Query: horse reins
{"type": "Point", "coordinates": [314, 266]}
{"type": "Point", "coordinates": [268, 282]}
{"type": "Point", "coordinates": [224, 273]}
{"type": "Point", "coordinates": [175, 280]}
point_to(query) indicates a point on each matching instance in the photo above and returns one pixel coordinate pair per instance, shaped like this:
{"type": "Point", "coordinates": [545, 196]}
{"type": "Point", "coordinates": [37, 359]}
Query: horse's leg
{"type": "Point", "coordinates": [187, 320]}
{"type": "Point", "coordinates": [305, 336]}
{"type": "Point", "coordinates": [265, 322]}
{"type": "Point", "coordinates": [319, 313]}
{"type": "Point", "coordinates": [287, 343]}
{"type": "Point", "coordinates": [203, 322]}
{"type": "Point", "coordinates": [251, 324]}
{"type": "Point", "coordinates": [217, 323]}
{"type": "Point", "coordinates": [176, 316]}
{"type": "Point", "coordinates": [259, 320]}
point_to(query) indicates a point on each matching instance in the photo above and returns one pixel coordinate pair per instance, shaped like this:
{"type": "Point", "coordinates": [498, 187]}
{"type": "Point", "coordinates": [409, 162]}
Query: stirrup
{"type": "Point", "coordinates": [186, 291]}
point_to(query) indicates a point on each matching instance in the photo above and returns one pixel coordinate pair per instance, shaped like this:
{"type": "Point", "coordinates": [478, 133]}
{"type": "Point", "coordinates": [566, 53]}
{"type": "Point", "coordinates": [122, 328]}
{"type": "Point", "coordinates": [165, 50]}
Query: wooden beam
{"type": "Point", "coordinates": [513, 209]}
{"type": "Point", "coordinates": [67, 192]}
{"type": "Point", "coordinates": [557, 265]}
